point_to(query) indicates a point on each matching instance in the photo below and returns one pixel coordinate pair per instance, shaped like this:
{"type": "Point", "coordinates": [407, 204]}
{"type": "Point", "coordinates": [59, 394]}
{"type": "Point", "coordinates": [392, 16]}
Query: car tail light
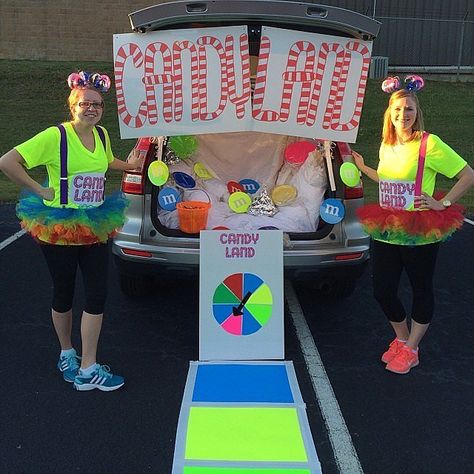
{"type": "Point", "coordinates": [345, 151]}
{"type": "Point", "coordinates": [354, 193]}
{"type": "Point", "coordinates": [349, 256]}
{"type": "Point", "coordinates": [345, 154]}
{"type": "Point", "coordinates": [133, 182]}
{"type": "Point", "coordinates": [138, 253]}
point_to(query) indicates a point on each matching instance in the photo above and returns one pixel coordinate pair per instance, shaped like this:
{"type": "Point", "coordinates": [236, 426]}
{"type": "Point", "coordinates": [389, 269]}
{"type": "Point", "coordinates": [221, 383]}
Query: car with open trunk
{"type": "Point", "coordinates": [284, 193]}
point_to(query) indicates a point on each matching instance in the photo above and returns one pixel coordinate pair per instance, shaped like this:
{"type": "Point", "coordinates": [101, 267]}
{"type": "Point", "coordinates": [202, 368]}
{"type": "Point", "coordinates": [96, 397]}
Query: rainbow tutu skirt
{"type": "Point", "coordinates": [67, 226]}
{"type": "Point", "coordinates": [403, 227]}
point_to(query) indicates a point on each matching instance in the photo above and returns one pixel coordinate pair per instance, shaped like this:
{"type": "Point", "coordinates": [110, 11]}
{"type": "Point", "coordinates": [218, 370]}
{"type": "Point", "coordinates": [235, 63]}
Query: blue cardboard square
{"type": "Point", "coordinates": [262, 383]}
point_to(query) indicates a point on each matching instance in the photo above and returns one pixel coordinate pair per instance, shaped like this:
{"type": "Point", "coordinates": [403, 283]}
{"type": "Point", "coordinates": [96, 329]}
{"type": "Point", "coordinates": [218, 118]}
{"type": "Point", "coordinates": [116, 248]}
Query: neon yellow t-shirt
{"type": "Point", "coordinates": [86, 168]}
{"type": "Point", "coordinates": [398, 165]}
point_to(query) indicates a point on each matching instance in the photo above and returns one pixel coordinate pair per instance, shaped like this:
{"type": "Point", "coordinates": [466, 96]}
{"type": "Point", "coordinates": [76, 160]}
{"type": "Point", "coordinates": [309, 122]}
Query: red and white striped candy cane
{"type": "Point", "coordinates": [356, 47]}
{"type": "Point", "coordinates": [204, 41]}
{"type": "Point", "coordinates": [151, 80]}
{"type": "Point", "coordinates": [238, 100]}
{"type": "Point", "coordinates": [334, 115]}
{"type": "Point", "coordinates": [126, 51]}
{"type": "Point", "coordinates": [178, 48]}
{"type": "Point", "coordinates": [258, 112]}
{"type": "Point", "coordinates": [338, 83]}
{"type": "Point", "coordinates": [324, 51]}
{"type": "Point", "coordinates": [291, 75]}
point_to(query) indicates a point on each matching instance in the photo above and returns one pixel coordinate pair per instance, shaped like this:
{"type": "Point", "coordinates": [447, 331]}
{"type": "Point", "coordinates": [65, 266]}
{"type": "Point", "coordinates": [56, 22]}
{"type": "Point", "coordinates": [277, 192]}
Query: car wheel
{"type": "Point", "coordinates": [133, 286]}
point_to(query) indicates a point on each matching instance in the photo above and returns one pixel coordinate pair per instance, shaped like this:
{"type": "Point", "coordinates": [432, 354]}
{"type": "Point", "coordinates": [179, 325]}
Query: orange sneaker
{"type": "Point", "coordinates": [403, 361]}
{"type": "Point", "coordinates": [393, 350]}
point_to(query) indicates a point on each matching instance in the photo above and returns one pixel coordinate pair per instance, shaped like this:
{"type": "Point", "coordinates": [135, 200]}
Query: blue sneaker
{"type": "Point", "coordinates": [101, 378]}
{"type": "Point", "coordinates": [69, 366]}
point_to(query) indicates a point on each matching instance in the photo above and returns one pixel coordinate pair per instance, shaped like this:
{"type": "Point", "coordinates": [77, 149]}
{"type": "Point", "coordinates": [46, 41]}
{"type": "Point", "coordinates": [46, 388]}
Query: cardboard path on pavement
{"type": "Point", "coordinates": [246, 417]}
{"type": "Point", "coordinates": [242, 410]}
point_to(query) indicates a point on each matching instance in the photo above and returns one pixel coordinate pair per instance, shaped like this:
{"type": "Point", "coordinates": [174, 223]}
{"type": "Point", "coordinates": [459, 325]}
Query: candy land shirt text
{"type": "Point", "coordinates": [396, 194]}
{"type": "Point", "coordinates": [87, 190]}
{"type": "Point", "coordinates": [239, 245]}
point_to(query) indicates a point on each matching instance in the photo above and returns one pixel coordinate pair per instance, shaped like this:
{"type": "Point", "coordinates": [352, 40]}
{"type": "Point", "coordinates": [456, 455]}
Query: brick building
{"type": "Point", "coordinates": [53, 29]}
{"type": "Point", "coordinates": [416, 32]}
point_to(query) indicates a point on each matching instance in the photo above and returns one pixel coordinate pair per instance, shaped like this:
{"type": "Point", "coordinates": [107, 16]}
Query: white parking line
{"type": "Point", "coordinates": [12, 238]}
{"type": "Point", "coordinates": [468, 221]}
{"type": "Point", "coordinates": [345, 454]}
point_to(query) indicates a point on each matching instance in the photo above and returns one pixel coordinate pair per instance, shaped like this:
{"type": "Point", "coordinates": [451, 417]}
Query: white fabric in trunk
{"type": "Point", "coordinates": [257, 156]}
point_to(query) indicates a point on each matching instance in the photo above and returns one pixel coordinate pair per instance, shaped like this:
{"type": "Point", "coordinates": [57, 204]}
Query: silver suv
{"type": "Point", "coordinates": [331, 257]}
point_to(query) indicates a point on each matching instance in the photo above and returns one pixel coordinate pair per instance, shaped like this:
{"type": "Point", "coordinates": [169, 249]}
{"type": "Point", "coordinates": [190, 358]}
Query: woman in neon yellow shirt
{"type": "Point", "coordinates": [410, 221]}
{"type": "Point", "coordinates": [72, 219]}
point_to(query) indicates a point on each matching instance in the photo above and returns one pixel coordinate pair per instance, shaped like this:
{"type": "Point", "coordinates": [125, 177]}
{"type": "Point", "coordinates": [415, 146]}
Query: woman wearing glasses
{"type": "Point", "coordinates": [72, 220]}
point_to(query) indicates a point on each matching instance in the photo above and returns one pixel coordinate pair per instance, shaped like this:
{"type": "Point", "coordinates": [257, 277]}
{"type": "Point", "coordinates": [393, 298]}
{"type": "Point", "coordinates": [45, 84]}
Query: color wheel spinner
{"type": "Point", "coordinates": [242, 304]}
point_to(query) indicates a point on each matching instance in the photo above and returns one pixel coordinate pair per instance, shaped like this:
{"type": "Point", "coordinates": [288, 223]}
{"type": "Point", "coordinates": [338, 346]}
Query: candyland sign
{"type": "Point", "coordinates": [198, 81]}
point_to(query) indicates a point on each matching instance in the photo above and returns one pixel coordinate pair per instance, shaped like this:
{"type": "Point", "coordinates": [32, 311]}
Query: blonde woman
{"type": "Point", "coordinates": [410, 220]}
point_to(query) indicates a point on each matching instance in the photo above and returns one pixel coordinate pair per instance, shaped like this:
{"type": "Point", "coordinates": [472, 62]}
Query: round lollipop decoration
{"type": "Point", "coordinates": [184, 180]}
{"type": "Point", "coordinates": [350, 175]}
{"type": "Point", "coordinates": [297, 153]}
{"type": "Point", "coordinates": [284, 194]}
{"type": "Point", "coordinates": [158, 173]}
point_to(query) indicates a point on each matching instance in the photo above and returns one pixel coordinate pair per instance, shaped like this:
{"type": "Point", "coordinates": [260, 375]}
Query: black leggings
{"type": "Point", "coordinates": [388, 262]}
{"type": "Point", "coordinates": [63, 261]}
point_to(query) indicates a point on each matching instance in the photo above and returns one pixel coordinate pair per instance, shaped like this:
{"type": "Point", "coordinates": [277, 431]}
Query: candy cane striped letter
{"type": "Point", "coordinates": [338, 80]}
{"type": "Point", "coordinates": [321, 70]}
{"type": "Point", "coordinates": [129, 50]}
{"type": "Point", "coordinates": [258, 112]}
{"type": "Point", "coordinates": [238, 100]}
{"type": "Point", "coordinates": [292, 75]}
{"type": "Point", "coordinates": [178, 48]}
{"type": "Point", "coordinates": [204, 41]}
{"type": "Point", "coordinates": [151, 79]}
{"type": "Point", "coordinates": [351, 48]}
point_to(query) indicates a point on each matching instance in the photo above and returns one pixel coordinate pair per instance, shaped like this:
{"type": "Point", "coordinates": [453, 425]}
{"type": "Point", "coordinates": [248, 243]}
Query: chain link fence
{"type": "Point", "coordinates": [431, 36]}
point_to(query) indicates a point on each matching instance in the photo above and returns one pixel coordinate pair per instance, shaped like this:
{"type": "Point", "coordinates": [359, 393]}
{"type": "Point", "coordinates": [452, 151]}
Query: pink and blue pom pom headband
{"type": "Point", "coordinates": [84, 79]}
{"type": "Point", "coordinates": [411, 83]}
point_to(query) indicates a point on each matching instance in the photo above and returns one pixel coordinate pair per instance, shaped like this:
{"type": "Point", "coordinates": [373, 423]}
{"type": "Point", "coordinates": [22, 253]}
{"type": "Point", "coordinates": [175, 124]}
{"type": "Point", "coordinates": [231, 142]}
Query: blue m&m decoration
{"type": "Point", "coordinates": [250, 186]}
{"type": "Point", "coordinates": [332, 211]}
{"type": "Point", "coordinates": [168, 198]}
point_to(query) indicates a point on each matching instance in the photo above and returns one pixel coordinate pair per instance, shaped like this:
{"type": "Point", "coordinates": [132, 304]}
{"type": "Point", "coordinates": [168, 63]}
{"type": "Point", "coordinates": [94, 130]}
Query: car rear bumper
{"type": "Point", "coordinates": [167, 260]}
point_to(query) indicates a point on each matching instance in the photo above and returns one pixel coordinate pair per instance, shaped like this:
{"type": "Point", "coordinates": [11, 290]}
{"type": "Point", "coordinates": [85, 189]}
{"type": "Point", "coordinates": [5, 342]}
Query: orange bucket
{"type": "Point", "coordinates": [192, 216]}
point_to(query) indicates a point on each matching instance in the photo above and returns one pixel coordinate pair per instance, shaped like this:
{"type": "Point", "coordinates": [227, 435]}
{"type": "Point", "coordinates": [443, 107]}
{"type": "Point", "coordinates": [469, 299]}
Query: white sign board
{"type": "Point", "coordinates": [310, 85]}
{"type": "Point", "coordinates": [241, 295]}
{"type": "Point", "coordinates": [196, 81]}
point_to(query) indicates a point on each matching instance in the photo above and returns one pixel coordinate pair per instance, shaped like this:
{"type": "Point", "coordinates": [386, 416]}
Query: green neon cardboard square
{"type": "Point", "coordinates": [244, 434]}
{"type": "Point", "coordinates": [242, 470]}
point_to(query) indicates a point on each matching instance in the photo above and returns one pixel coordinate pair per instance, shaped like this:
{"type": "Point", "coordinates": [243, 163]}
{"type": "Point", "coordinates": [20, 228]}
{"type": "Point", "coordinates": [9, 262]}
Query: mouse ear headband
{"type": "Point", "coordinates": [85, 80]}
{"type": "Point", "coordinates": [412, 83]}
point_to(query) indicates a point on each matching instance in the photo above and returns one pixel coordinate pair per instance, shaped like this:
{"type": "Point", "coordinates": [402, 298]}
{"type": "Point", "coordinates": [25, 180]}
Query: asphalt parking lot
{"type": "Point", "coordinates": [398, 424]}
